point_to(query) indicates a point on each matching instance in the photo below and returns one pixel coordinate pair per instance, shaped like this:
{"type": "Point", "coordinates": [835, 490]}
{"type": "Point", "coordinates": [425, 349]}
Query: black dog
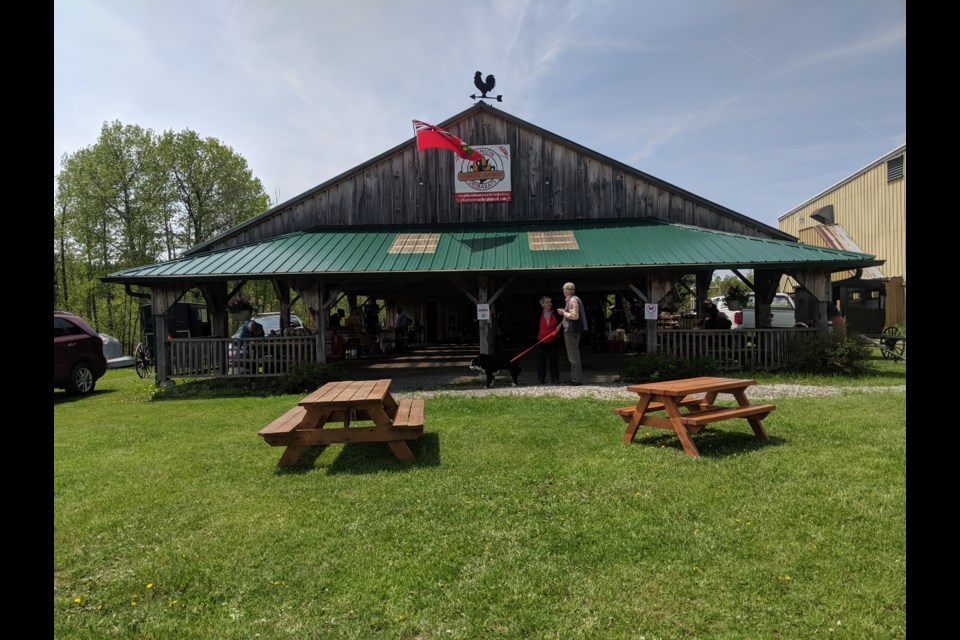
{"type": "Point", "coordinates": [492, 365]}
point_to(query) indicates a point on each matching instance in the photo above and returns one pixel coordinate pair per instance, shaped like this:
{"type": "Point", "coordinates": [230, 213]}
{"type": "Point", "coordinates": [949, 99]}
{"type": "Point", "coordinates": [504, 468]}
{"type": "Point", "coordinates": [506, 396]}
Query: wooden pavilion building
{"type": "Point", "coordinates": [450, 240]}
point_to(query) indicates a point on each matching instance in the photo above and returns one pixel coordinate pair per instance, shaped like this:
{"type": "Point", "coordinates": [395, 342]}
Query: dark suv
{"type": "Point", "coordinates": [78, 360]}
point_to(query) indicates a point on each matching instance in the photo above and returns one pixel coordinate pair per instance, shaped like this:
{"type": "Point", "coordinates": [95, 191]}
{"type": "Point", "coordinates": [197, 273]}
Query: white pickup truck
{"type": "Point", "coordinates": [782, 312]}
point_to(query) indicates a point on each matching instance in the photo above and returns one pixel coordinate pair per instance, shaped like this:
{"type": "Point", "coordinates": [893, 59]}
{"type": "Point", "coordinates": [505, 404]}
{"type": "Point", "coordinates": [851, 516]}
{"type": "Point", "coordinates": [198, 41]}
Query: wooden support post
{"type": "Point", "coordinates": [162, 299]}
{"type": "Point", "coordinates": [487, 338]}
{"type": "Point", "coordinates": [659, 283]}
{"type": "Point", "coordinates": [704, 278]}
{"type": "Point", "coordinates": [321, 322]}
{"type": "Point", "coordinates": [282, 289]}
{"type": "Point", "coordinates": [311, 292]}
{"type": "Point", "coordinates": [215, 293]}
{"type": "Point", "coordinates": [765, 284]}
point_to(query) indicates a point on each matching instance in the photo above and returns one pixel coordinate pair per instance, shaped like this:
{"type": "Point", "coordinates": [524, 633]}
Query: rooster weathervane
{"type": "Point", "coordinates": [485, 86]}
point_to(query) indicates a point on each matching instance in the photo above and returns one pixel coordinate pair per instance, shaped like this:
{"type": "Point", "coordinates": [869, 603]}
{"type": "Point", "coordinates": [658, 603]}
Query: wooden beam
{"type": "Point", "coordinates": [636, 290]}
{"type": "Point", "coordinates": [503, 288]}
{"type": "Point", "coordinates": [743, 279]}
{"type": "Point", "coordinates": [236, 288]}
{"type": "Point", "coordinates": [466, 291]}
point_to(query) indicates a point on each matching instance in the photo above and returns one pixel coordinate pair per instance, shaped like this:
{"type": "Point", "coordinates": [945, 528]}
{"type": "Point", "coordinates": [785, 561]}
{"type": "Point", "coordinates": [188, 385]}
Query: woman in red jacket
{"type": "Point", "coordinates": [547, 350]}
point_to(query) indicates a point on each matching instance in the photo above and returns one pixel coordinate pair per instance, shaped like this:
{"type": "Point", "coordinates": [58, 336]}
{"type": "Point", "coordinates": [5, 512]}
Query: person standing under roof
{"type": "Point", "coordinates": [574, 324]}
{"type": "Point", "coordinates": [547, 348]}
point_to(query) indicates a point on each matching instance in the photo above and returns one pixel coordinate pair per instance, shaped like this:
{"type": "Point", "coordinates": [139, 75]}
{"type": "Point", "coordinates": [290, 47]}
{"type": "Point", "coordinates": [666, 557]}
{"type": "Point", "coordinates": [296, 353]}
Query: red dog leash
{"type": "Point", "coordinates": [549, 335]}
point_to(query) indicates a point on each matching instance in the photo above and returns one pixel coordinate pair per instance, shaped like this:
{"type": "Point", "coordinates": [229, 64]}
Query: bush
{"type": "Point", "coordinates": [308, 376]}
{"type": "Point", "coordinates": [654, 367]}
{"type": "Point", "coordinates": [828, 353]}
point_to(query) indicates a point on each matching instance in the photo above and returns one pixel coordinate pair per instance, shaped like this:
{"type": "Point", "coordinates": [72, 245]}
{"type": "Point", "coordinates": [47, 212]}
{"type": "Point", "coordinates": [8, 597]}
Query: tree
{"type": "Point", "coordinates": [212, 188]}
{"type": "Point", "coordinates": [719, 285]}
{"type": "Point", "coordinates": [133, 198]}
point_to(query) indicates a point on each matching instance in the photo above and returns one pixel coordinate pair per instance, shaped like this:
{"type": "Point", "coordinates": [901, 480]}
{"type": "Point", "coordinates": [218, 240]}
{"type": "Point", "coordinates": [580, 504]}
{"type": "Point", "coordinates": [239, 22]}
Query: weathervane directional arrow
{"type": "Point", "coordinates": [485, 86]}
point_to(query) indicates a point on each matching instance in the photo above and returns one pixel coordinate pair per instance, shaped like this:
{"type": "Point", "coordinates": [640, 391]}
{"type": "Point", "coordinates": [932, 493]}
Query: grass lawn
{"type": "Point", "coordinates": [522, 518]}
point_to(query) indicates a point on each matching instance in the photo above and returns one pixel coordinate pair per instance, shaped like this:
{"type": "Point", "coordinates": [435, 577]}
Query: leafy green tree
{"type": "Point", "coordinates": [133, 198]}
{"type": "Point", "coordinates": [719, 285]}
{"type": "Point", "coordinates": [211, 186]}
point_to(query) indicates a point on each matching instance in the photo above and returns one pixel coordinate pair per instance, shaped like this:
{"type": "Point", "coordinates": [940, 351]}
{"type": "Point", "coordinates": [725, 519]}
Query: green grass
{"type": "Point", "coordinates": [881, 372]}
{"type": "Point", "coordinates": [522, 518]}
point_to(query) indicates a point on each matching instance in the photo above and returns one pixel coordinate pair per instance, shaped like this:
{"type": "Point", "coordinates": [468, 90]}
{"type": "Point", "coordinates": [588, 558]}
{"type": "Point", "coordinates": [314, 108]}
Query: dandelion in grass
{"type": "Point", "coordinates": [401, 617]}
{"type": "Point", "coordinates": [173, 602]}
{"type": "Point", "coordinates": [76, 600]}
{"type": "Point", "coordinates": [149, 585]}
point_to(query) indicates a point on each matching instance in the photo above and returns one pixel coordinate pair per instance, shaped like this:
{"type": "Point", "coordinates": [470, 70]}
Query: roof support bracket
{"type": "Point", "coordinates": [743, 279]}
{"type": "Point", "coordinates": [502, 288]}
{"type": "Point", "coordinates": [465, 290]}
{"type": "Point", "coordinates": [236, 288]}
{"type": "Point", "coordinates": [636, 290]}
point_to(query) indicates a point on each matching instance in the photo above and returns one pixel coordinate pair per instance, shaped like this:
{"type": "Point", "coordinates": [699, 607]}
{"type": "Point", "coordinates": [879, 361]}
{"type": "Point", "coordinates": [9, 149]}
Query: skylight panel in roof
{"type": "Point", "coordinates": [552, 240]}
{"type": "Point", "coordinates": [415, 243]}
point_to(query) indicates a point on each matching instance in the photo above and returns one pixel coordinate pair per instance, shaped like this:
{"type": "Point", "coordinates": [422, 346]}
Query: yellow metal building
{"type": "Point", "coordinates": [866, 212]}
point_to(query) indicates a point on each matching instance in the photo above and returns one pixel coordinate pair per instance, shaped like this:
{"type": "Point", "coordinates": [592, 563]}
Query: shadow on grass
{"type": "Point", "coordinates": [898, 376]}
{"type": "Point", "coordinates": [62, 397]}
{"type": "Point", "coordinates": [711, 443]}
{"type": "Point", "coordinates": [369, 457]}
{"type": "Point", "coordinates": [218, 388]}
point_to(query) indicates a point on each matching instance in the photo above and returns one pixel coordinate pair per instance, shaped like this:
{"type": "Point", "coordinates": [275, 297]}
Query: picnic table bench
{"type": "Point", "coordinates": [345, 402]}
{"type": "Point", "coordinates": [672, 395]}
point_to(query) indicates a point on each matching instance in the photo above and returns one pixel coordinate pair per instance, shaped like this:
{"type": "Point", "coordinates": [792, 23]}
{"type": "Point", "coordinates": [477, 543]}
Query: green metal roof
{"type": "Point", "coordinates": [495, 247]}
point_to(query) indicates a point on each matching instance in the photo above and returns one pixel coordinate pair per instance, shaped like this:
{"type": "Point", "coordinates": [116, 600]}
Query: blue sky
{"type": "Point", "coordinates": [757, 105]}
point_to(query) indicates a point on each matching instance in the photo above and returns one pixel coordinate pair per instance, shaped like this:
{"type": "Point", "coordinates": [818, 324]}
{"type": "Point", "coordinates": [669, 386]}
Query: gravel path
{"type": "Point", "coordinates": [425, 387]}
{"type": "Point", "coordinates": [442, 371]}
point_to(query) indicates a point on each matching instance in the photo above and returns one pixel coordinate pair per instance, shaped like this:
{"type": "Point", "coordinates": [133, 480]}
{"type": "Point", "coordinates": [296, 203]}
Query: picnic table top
{"type": "Point", "coordinates": [345, 394]}
{"type": "Point", "coordinates": [703, 384]}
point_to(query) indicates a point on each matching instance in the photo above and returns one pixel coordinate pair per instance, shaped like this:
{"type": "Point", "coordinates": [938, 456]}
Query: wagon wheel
{"type": "Point", "coordinates": [894, 347]}
{"type": "Point", "coordinates": [142, 361]}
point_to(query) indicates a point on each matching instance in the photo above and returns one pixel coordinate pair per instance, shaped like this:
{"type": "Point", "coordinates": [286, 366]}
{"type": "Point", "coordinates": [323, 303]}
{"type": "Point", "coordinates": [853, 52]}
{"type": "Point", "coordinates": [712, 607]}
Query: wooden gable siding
{"type": "Point", "coordinates": [551, 180]}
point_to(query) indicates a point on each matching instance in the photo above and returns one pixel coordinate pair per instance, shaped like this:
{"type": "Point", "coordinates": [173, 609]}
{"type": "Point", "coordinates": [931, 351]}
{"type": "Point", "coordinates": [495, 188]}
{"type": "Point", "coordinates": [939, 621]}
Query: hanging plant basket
{"type": "Point", "coordinates": [735, 298]}
{"type": "Point", "coordinates": [240, 308]}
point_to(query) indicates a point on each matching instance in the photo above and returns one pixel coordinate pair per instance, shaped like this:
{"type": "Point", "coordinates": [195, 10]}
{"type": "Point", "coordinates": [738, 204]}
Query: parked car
{"type": "Point", "coordinates": [113, 352]}
{"type": "Point", "coordinates": [78, 360]}
{"type": "Point", "coordinates": [782, 312]}
{"type": "Point", "coordinates": [271, 323]}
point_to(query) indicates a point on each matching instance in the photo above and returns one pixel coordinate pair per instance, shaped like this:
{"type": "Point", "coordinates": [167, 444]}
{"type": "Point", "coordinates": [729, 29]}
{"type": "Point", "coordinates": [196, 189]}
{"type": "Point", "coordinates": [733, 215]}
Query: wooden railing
{"type": "Point", "coordinates": [234, 357]}
{"type": "Point", "coordinates": [740, 349]}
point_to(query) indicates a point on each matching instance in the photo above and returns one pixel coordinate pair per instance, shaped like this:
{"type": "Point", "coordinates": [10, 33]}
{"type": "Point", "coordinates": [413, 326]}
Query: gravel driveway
{"type": "Point", "coordinates": [427, 387]}
{"type": "Point", "coordinates": [442, 371]}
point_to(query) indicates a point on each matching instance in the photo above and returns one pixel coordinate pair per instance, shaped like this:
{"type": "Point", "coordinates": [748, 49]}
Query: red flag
{"type": "Point", "coordinates": [431, 137]}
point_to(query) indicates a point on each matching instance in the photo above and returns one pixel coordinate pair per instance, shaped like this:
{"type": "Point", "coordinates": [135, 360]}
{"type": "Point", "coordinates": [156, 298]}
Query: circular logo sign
{"type": "Point", "coordinates": [483, 174]}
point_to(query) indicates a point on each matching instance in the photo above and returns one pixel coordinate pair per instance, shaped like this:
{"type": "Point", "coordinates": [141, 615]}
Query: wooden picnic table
{"type": "Point", "coordinates": [343, 403]}
{"type": "Point", "coordinates": [672, 395]}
